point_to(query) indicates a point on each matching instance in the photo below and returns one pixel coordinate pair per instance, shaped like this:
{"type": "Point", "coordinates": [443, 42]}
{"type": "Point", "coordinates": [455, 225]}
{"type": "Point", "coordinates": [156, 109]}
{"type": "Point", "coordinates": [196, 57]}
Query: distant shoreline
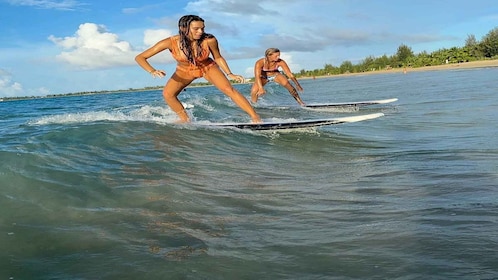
{"type": "Point", "coordinates": [449, 66]}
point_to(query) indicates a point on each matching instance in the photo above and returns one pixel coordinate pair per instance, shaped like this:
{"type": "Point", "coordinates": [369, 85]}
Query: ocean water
{"type": "Point", "coordinates": [110, 187]}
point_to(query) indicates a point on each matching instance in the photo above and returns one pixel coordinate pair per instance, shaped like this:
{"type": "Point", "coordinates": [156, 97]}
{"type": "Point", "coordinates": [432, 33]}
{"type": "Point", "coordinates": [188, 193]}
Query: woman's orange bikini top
{"type": "Point", "coordinates": [180, 56]}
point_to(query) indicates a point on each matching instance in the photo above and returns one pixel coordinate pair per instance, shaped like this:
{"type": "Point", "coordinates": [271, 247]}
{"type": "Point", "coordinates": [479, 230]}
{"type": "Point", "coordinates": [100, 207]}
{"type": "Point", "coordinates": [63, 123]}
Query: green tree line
{"type": "Point", "coordinates": [474, 50]}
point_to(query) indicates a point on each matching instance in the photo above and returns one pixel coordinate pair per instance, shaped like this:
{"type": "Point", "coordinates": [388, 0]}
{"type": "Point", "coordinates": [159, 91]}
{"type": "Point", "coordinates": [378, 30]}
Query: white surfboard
{"type": "Point", "coordinates": [349, 104]}
{"type": "Point", "coordinates": [294, 124]}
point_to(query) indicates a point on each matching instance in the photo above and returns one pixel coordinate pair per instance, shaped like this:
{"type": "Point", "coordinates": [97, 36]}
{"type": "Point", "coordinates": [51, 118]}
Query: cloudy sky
{"type": "Point", "coordinates": [66, 46]}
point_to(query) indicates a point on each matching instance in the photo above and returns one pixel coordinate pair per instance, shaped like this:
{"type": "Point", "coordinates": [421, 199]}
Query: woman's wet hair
{"type": "Point", "coordinates": [183, 30]}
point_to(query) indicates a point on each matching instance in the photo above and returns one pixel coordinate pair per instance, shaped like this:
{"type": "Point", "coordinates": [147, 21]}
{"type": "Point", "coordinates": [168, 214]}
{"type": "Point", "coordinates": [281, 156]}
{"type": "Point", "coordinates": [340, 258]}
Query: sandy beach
{"type": "Point", "coordinates": [464, 65]}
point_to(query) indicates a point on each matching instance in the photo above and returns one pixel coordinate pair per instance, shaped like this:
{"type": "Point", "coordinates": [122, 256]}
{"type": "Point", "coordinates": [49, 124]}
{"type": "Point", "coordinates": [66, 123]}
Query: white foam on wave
{"type": "Point", "coordinates": [145, 113]}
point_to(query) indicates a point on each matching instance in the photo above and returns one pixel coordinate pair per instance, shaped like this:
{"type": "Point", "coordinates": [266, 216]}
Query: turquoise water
{"type": "Point", "coordinates": [108, 187]}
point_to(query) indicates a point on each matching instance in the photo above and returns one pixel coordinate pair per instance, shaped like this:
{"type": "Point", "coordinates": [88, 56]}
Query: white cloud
{"type": "Point", "coordinates": [152, 36]}
{"type": "Point", "coordinates": [92, 47]}
{"type": "Point", "coordinates": [8, 88]}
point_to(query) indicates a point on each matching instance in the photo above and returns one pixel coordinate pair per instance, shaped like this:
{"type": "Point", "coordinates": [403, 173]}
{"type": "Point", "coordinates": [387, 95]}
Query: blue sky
{"type": "Point", "coordinates": [65, 46]}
